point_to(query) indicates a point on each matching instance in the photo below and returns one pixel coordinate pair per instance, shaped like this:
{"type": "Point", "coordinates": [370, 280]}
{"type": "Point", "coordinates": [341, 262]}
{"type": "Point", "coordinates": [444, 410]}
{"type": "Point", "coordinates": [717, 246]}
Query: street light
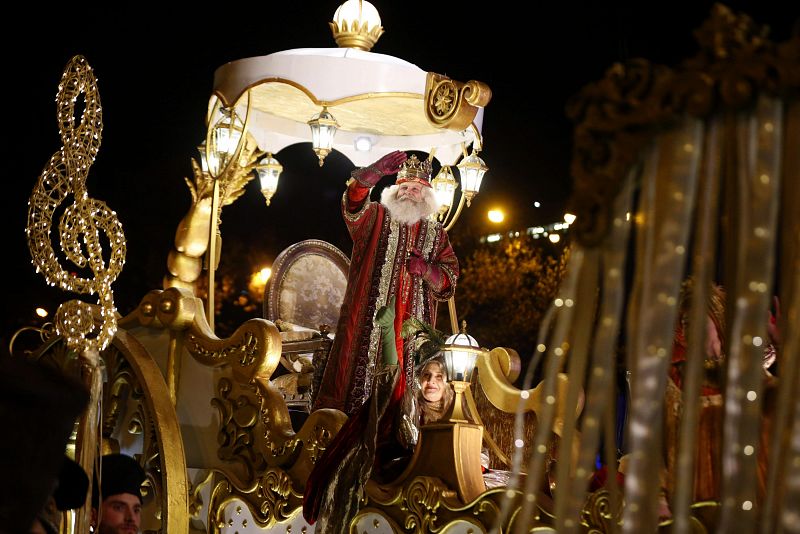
{"type": "Point", "coordinates": [258, 281]}
{"type": "Point", "coordinates": [496, 216]}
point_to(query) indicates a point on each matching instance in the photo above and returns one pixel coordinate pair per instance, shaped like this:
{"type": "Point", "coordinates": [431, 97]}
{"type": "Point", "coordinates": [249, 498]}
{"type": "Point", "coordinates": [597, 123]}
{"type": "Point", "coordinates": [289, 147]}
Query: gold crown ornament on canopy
{"type": "Point", "coordinates": [356, 24]}
{"type": "Point", "coordinates": [414, 170]}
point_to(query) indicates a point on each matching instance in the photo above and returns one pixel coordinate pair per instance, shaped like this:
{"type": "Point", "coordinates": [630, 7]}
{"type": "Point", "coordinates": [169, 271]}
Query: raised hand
{"type": "Point", "coordinates": [389, 164]}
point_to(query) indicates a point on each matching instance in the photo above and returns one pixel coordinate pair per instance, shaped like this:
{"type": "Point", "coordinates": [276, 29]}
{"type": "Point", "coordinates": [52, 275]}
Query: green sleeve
{"type": "Point", "coordinates": [385, 320]}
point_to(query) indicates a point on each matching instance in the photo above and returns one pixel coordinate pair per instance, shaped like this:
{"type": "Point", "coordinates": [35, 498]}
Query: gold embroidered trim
{"type": "Point", "coordinates": [353, 217]}
{"type": "Point", "coordinates": [383, 292]}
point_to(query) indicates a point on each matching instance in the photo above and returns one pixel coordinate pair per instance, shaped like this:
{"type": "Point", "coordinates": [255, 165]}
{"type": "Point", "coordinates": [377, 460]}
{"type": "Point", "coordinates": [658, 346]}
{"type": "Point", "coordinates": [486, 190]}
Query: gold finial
{"type": "Point", "coordinates": [356, 24]}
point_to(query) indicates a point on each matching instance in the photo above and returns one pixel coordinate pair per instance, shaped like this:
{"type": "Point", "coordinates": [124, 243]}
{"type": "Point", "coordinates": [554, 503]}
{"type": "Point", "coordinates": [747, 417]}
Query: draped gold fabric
{"type": "Point", "coordinates": [679, 172]}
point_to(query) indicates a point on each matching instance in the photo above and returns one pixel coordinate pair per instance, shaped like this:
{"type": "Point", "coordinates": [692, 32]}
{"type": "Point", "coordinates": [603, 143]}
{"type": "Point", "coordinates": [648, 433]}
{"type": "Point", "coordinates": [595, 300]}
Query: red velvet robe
{"type": "Point", "coordinates": [378, 270]}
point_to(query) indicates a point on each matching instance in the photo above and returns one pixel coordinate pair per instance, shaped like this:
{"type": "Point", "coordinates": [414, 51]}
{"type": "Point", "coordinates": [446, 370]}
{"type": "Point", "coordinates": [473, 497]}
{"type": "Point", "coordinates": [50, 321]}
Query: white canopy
{"type": "Point", "coordinates": [371, 95]}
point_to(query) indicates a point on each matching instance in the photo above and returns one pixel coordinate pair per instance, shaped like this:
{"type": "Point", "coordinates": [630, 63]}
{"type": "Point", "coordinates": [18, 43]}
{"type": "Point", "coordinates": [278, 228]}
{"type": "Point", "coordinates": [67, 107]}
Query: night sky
{"type": "Point", "coordinates": [155, 67]}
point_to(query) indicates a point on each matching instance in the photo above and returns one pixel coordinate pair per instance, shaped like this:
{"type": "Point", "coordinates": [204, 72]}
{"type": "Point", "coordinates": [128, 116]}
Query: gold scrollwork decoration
{"type": "Point", "coordinates": [277, 427]}
{"type": "Point", "coordinates": [421, 499]}
{"type": "Point", "coordinates": [195, 494]}
{"type": "Point", "coordinates": [425, 504]}
{"type": "Point", "coordinates": [81, 222]}
{"type": "Point", "coordinates": [276, 488]}
{"type": "Point", "coordinates": [238, 436]}
{"type": "Point", "coordinates": [598, 514]}
{"type": "Point", "coordinates": [254, 349]}
{"type": "Point", "coordinates": [451, 104]}
{"type": "Point", "coordinates": [243, 353]}
{"type": "Point", "coordinates": [271, 499]}
{"type": "Point", "coordinates": [118, 394]}
{"type": "Point", "coordinates": [255, 430]}
{"type": "Point", "coordinates": [318, 439]}
{"type": "Point", "coordinates": [618, 115]}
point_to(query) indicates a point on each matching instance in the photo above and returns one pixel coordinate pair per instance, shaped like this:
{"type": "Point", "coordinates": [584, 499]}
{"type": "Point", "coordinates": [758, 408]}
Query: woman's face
{"type": "Point", "coordinates": [432, 382]}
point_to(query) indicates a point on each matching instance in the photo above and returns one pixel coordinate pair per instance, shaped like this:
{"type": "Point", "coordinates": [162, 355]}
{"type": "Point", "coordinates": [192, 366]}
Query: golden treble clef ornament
{"type": "Point", "coordinates": [64, 179]}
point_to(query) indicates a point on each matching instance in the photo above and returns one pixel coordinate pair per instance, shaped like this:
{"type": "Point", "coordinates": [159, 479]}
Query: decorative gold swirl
{"type": "Point", "coordinates": [195, 494]}
{"type": "Point", "coordinates": [256, 431]}
{"type": "Point", "coordinates": [238, 437]}
{"type": "Point", "coordinates": [254, 349]}
{"type": "Point", "coordinates": [453, 105]}
{"type": "Point", "coordinates": [277, 434]}
{"type": "Point", "coordinates": [117, 391]}
{"type": "Point", "coordinates": [597, 514]}
{"type": "Point", "coordinates": [244, 353]}
{"type": "Point", "coordinates": [317, 440]}
{"type": "Point", "coordinates": [276, 487]}
{"type": "Point", "coordinates": [425, 504]}
{"type": "Point", "coordinates": [81, 222]}
{"type": "Point", "coordinates": [421, 498]}
{"type": "Point", "coordinates": [270, 500]}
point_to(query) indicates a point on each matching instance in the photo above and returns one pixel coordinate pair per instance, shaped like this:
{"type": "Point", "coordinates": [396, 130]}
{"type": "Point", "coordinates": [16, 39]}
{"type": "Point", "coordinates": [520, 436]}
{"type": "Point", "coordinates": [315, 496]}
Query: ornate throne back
{"type": "Point", "coordinates": [307, 285]}
{"type": "Point", "coordinates": [303, 298]}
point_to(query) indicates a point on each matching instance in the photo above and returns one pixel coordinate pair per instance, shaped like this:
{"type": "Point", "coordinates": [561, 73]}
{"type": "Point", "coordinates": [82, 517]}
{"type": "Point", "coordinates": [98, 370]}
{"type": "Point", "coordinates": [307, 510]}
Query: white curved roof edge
{"type": "Point", "coordinates": [328, 73]}
{"type": "Point", "coordinates": [274, 133]}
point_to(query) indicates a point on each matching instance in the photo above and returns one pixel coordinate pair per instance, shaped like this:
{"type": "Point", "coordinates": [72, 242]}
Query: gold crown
{"type": "Point", "coordinates": [414, 170]}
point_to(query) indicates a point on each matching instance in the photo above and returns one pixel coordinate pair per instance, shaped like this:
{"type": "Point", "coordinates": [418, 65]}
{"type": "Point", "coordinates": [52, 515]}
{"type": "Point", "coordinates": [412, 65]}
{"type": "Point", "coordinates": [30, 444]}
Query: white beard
{"type": "Point", "coordinates": [406, 211]}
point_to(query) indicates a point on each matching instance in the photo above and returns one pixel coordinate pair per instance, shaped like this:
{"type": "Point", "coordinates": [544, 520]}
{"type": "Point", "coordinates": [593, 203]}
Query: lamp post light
{"type": "Point", "coordinates": [224, 142]}
{"type": "Point", "coordinates": [222, 147]}
{"type": "Point", "coordinates": [323, 129]}
{"type": "Point", "coordinates": [460, 351]}
{"type": "Point", "coordinates": [269, 172]}
{"type": "Point", "coordinates": [471, 170]}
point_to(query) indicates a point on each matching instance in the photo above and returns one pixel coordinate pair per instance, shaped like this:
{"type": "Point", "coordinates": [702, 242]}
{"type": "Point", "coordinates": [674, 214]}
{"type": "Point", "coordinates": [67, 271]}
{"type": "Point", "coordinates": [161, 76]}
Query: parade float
{"type": "Point", "coordinates": [223, 426]}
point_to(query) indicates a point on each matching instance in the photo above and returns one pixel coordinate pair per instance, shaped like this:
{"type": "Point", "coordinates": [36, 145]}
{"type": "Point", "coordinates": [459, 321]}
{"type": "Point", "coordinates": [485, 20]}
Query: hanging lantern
{"type": "Point", "coordinates": [444, 187]}
{"type": "Point", "coordinates": [225, 139]}
{"type": "Point", "coordinates": [323, 128]}
{"type": "Point", "coordinates": [269, 172]}
{"type": "Point", "coordinates": [471, 169]}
